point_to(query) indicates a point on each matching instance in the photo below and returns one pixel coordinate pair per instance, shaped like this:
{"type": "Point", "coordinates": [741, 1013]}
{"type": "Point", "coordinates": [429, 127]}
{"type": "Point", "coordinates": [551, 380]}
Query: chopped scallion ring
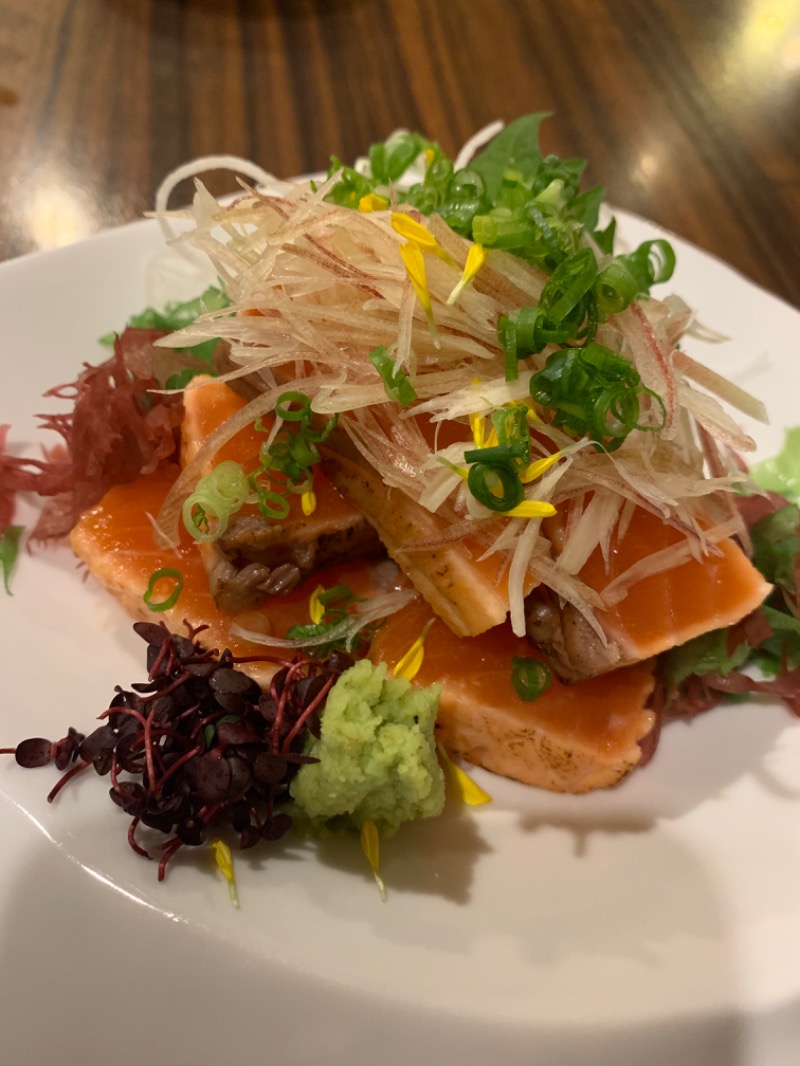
{"type": "Point", "coordinates": [284, 407]}
{"type": "Point", "coordinates": [530, 677]}
{"type": "Point", "coordinates": [495, 486]}
{"type": "Point", "coordinates": [165, 573]}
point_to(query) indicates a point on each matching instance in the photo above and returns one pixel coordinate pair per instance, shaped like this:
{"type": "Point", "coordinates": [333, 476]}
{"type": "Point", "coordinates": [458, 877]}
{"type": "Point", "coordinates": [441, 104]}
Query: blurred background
{"type": "Point", "coordinates": [688, 110]}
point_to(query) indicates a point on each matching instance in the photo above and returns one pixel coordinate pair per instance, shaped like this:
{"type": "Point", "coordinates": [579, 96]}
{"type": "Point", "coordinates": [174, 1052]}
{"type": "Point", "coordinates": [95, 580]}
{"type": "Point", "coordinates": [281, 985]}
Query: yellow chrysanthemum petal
{"type": "Point", "coordinates": [414, 263]}
{"type": "Point", "coordinates": [467, 790]}
{"type": "Point", "coordinates": [371, 846]}
{"type": "Point", "coordinates": [408, 666]}
{"type": "Point", "coordinates": [224, 861]}
{"type": "Point", "coordinates": [372, 202]}
{"type": "Point", "coordinates": [476, 257]}
{"type": "Point", "coordinates": [537, 468]}
{"type": "Point", "coordinates": [531, 509]}
{"type": "Point", "coordinates": [308, 502]}
{"type": "Point", "coordinates": [316, 609]}
{"type": "Point", "coordinates": [420, 235]}
{"type": "Point", "coordinates": [477, 425]}
{"type": "Point", "coordinates": [413, 231]}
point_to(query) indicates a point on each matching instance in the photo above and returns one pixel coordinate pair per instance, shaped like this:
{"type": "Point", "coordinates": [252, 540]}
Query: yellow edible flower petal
{"type": "Point", "coordinates": [420, 235]}
{"type": "Point", "coordinates": [371, 846]}
{"type": "Point", "coordinates": [308, 501]}
{"type": "Point", "coordinates": [475, 260]}
{"type": "Point", "coordinates": [413, 231]}
{"type": "Point", "coordinates": [224, 860]}
{"type": "Point", "coordinates": [415, 268]}
{"type": "Point", "coordinates": [468, 791]}
{"type": "Point", "coordinates": [477, 423]}
{"type": "Point", "coordinates": [408, 666]}
{"type": "Point", "coordinates": [537, 468]}
{"type": "Point", "coordinates": [372, 202]}
{"type": "Point", "coordinates": [531, 509]}
{"type": "Point", "coordinates": [316, 608]}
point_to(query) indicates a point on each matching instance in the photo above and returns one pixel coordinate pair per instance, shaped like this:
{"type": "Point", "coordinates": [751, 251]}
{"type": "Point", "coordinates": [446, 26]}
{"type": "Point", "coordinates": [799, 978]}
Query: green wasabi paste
{"type": "Point", "coordinates": [377, 754]}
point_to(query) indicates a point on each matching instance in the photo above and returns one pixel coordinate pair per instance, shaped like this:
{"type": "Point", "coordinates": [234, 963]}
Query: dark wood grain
{"type": "Point", "coordinates": [689, 112]}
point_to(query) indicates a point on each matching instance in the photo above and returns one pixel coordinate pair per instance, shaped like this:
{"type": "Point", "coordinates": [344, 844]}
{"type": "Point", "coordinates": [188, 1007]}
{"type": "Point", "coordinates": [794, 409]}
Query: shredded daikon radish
{"type": "Point", "coordinates": [476, 141]}
{"type": "Point", "coordinates": [316, 287]}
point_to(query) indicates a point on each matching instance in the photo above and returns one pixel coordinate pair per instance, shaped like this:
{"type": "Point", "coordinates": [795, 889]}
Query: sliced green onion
{"type": "Point", "coordinates": [165, 573]}
{"type": "Point", "coordinates": [530, 677]}
{"type": "Point", "coordinates": [272, 504]}
{"type": "Point", "coordinates": [510, 423]}
{"type": "Point", "coordinates": [216, 497]}
{"type": "Point", "coordinates": [9, 550]}
{"type": "Point", "coordinates": [395, 382]}
{"type": "Point", "coordinates": [569, 283]}
{"type": "Point", "coordinates": [319, 436]}
{"type": "Point", "coordinates": [651, 263]}
{"type": "Point", "coordinates": [504, 454]}
{"type": "Point", "coordinates": [303, 451]}
{"type": "Point", "coordinates": [507, 335]}
{"type": "Point", "coordinates": [497, 487]}
{"type": "Point", "coordinates": [285, 410]}
{"type": "Point", "coordinates": [230, 481]}
{"type": "Point", "coordinates": [593, 392]}
{"type": "Point", "coordinates": [616, 288]}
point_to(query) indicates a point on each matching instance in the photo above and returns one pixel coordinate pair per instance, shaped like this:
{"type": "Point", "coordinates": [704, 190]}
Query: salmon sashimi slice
{"type": "Point", "coordinates": [116, 540]}
{"type": "Point", "coordinates": [573, 738]}
{"type": "Point", "coordinates": [657, 612]}
{"type": "Point", "coordinates": [255, 556]}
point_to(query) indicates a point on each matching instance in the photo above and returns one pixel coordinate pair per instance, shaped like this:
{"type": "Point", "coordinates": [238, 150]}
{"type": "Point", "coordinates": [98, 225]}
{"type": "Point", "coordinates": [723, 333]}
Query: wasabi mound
{"type": "Point", "coordinates": [377, 754]}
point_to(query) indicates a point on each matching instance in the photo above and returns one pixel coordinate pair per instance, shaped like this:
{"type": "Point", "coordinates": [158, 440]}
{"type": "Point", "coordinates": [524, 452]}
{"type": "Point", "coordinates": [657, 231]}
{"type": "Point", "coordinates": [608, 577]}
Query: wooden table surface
{"type": "Point", "coordinates": [688, 110]}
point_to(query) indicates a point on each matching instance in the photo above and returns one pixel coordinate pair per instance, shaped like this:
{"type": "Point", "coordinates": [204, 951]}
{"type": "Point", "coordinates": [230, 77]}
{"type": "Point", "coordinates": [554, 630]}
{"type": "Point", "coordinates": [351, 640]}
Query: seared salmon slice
{"type": "Point", "coordinates": [657, 612]}
{"type": "Point", "coordinates": [255, 556]}
{"type": "Point", "coordinates": [468, 592]}
{"type": "Point", "coordinates": [116, 541]}
{"type": "Point", "coordinates": [573, 738]}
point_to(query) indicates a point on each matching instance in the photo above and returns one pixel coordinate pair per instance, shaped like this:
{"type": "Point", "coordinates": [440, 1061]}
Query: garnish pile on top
{"type": "Point", "coordinates": [486, 350]}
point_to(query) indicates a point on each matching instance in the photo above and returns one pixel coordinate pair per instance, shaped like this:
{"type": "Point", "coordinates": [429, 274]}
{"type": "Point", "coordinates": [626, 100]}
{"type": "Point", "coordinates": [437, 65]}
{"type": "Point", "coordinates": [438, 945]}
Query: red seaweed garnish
{"type": "Point", "coordinates": [118, 428]}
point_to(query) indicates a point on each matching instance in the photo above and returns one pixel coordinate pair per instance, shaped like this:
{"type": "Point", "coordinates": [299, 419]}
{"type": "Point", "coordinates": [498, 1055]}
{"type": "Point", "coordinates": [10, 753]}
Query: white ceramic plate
{"type": "Point", "coordinates": [658, 923]}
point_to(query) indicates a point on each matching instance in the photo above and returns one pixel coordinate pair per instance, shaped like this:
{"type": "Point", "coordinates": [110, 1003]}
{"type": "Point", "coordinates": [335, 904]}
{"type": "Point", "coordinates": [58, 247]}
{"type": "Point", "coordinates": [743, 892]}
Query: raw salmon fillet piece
{"type": "Point", "coordinates": [573, 738]}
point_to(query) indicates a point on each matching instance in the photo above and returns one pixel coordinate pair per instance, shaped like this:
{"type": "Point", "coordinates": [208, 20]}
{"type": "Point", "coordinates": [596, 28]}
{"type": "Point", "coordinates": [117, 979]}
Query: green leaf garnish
{"type": "Point", "coordinates": [705, 654]}
{"type": "Point", "coordinates": [781, 473]}
{"type": "Point", "coordinates": [516, 147]}
{"type": "Point", "coordinates": [776, 544]}
{"type": "Point", "coordinates": [175, 316]}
